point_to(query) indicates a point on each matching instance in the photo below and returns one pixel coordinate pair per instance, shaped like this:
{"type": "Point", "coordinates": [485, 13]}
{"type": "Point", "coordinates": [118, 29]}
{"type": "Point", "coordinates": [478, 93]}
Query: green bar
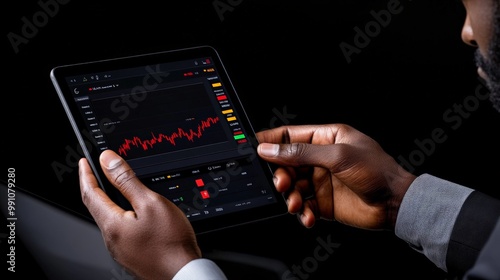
{"type": "Point", "coordinates": [238, 137]}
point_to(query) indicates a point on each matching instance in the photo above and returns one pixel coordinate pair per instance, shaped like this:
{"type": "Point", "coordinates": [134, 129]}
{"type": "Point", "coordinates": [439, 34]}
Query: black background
{"type": "Point", "coordinates": [284, 58]}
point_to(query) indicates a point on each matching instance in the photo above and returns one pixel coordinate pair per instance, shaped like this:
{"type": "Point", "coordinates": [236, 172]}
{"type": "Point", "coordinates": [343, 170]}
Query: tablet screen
{"type": "Point", "coordinates": [176, 119]}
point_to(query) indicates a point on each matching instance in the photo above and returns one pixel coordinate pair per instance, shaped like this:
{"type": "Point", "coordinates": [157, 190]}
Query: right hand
{"type": "Point", "coordinates": [335, 172]}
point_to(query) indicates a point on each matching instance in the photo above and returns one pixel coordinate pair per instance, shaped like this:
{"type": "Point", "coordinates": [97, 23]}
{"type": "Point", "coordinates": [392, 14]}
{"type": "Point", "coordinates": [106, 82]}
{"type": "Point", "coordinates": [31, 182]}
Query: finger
{"type": "Point", "coordinates": [301, 154]}
{"type": "Point", "coordinates": [121, 175]}
{"type": "Point", "coordinates": [94, 198]}
{"type": "Point", "coordinates": [298, 195]}
{"type": "Point", "coordinates": [307, 217]}
{"type": "Point", "coordinates": [294, 202]}
{"type": "Point", "coordinates": [283, 183]}
{"type": "Point", "coordinates": [283, 178]}
{"type": "Point", "coordinates": [290, 134]}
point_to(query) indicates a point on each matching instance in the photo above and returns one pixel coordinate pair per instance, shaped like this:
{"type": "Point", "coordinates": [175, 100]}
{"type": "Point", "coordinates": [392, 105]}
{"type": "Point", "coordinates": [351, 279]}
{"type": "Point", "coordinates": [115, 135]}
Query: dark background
{"type": "Point", "coordinates": [284, 58]}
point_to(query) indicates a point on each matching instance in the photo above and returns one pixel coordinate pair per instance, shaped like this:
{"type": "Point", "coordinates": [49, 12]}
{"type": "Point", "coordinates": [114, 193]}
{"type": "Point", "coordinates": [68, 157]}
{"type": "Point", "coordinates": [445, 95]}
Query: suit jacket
{"type": "Point", "coordinates": [475, 239]}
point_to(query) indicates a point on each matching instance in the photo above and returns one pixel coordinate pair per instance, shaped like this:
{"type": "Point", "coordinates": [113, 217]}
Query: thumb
{"type": "Point", "coordinates": [296, 154]}
{"type": "Point", "coordinates": [123, 178]}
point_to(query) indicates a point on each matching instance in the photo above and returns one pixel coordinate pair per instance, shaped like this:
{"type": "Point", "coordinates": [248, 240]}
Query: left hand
{"type": "Point", "coordinates": [153, 241]}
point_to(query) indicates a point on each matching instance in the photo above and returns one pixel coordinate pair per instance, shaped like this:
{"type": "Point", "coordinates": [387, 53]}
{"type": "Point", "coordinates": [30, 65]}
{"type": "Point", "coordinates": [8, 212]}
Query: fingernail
{"type": "Point", "coordinates": [80, 162]}
{"type": "Point", "coordinates": [269, 150]}
{"type": "Point", "coordinates": [109, 160]}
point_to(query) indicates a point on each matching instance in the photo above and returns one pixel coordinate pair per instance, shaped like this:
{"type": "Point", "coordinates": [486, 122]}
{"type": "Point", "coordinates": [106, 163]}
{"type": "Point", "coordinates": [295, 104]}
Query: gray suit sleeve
{"type": "Point", "coordinates": [427, 216]}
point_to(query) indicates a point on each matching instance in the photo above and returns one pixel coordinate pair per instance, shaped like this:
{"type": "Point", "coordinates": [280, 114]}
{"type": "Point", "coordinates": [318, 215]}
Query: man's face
{"type": "Point", "coordinates": [481, 29]}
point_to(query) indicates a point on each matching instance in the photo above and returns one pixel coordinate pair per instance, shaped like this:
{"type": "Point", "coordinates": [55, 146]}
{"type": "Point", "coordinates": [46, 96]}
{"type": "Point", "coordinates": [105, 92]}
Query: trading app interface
{"type": "Point", "coordinates": [177, 127]}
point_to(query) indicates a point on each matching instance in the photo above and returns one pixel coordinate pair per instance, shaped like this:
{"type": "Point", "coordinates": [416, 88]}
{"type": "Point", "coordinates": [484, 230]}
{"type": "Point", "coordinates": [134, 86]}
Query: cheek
{"type": "Point", "coordinates": [483, 31]}
{"type": "Point", "coordinates": [483, 45]}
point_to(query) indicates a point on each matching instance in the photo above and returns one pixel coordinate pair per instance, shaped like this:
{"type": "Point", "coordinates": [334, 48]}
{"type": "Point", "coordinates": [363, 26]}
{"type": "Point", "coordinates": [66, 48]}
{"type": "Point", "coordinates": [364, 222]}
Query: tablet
{"type": "Point", "coordinates": [176, 118]}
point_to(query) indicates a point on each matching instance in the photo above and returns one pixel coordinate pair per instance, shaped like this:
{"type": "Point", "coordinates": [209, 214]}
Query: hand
{"type": "Point", "coordinates": [335, 172]}
{"type": "Point", "coordinates": [155, 239]}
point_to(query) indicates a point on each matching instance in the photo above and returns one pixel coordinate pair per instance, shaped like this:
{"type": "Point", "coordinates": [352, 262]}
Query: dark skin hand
{"type": "Point", "coordinates": [331, 172]}
{"type": "Point", "coordinates": [155, 240]}
{"type": "Point", "coordinates": [335, 172]}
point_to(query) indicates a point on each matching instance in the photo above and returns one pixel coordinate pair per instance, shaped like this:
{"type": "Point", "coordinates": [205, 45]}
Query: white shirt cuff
{"type": "Point", "coordinates": [202, 269]}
